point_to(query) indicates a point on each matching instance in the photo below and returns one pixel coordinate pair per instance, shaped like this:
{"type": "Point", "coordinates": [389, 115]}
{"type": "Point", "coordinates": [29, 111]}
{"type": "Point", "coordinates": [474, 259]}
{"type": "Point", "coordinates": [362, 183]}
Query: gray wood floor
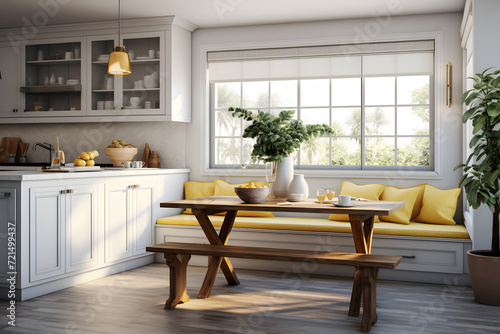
{"type": "Point", "coordinates": [132, 302]}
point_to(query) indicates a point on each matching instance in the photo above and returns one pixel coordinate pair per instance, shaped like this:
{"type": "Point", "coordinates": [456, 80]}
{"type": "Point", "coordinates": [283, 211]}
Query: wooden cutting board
{"type": "Point", "coordinates": [10, 146]}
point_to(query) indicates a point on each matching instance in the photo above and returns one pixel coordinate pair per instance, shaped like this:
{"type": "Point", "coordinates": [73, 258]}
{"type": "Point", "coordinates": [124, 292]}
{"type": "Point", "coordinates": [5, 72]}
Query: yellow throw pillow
{"type": "Point", "coordinates": [438, 206]}
{"type": "Point", "coordinates": [407, 195]}
{"type": "Point", "coordinates": [370, 191]}
{"type": "Point", "coordinates": [418, 202]}
{"type": "Point", "coordinates": [197, 189]}
{"type": "Point", "coordinates": [223, 188]}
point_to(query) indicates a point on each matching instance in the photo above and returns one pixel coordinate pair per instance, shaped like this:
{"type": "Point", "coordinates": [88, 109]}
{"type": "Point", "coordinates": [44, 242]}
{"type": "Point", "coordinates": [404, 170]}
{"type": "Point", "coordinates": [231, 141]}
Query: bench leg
{"type": "Point", "coordinates": [357, 291]}
{"type": "Point", "coordinates": [178, 270]}
{"type": "Point", "coordinates": [369, 282]}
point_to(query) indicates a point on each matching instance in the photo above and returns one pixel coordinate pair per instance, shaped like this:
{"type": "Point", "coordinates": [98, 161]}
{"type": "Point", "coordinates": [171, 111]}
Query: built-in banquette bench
{"type": "Point", "coordinates": [424, 233]}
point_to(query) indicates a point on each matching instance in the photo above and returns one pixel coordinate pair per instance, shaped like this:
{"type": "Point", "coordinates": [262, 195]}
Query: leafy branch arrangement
{"type": "Point", "coordinates": [482, 168]}
{"type": "Point", "coordinates": [277, 137]}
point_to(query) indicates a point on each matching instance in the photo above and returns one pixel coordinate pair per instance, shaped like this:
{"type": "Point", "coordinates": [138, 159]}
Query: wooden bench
{"type": "Point", "coordinates": [177, 255]}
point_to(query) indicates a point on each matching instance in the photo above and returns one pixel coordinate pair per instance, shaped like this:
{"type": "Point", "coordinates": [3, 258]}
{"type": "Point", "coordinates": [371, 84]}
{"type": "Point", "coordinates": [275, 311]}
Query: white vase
{"type": "Point", "coordinates": [52, 80]}
{"type": "Point", "coordinates": [284, 174]}
{"type": "Point", "coordinates": [299, 186]}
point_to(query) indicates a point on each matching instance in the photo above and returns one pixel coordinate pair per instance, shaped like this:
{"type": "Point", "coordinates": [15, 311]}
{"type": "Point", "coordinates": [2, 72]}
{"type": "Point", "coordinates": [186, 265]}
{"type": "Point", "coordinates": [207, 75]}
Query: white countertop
{"type": "Point", "coordinates": [105, 172]}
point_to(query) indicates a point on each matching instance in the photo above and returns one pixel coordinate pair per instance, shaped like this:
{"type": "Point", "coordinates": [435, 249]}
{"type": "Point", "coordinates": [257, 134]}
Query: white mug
{"type": "Point", "coordinates": [345, 200]}
{"type": "Point", "coordinates": [128, 164]}
{"type": "Point", "coordinates": [138, 164]}
{"type": "Point", "coordinates": [68, 55]}
{"type": "Point", "coordinates": [152, 54]}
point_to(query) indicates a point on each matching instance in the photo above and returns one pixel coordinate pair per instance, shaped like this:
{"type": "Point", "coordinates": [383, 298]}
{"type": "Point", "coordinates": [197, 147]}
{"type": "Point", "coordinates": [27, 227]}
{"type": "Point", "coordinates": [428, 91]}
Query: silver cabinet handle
{"type": "Point", "coordinates": [68, 191]}
{"type": "Point", "coordinates": [409, 256]}
{"type": "Point", "coordinates": [5, 195]}
{"type": "Point", "coordinates": [134, 186]}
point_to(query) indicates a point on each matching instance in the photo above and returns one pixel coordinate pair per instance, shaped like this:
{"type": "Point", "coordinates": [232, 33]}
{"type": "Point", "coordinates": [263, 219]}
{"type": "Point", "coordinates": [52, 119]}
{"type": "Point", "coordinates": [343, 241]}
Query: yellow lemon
{"type": "Point", "coordinates": [79, 162]}
{"type": "Point", "coordinates": [90, 163]}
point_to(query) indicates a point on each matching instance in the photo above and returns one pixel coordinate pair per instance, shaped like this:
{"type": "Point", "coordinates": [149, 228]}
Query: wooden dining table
{"type": "Point", "coordinates": [361, 218]}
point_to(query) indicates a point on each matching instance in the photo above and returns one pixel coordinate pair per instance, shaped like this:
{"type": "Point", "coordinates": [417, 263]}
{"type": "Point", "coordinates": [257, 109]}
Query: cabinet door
{"type": "Point", "coordinates": [47, 257]}
{"type": "Point", "coordinates": [10, 96]}
{"type": "Point", "coordinates": [53, 75]}
{"type": "Point", "coordinates": [8, 229]}
{"type": "Point", "coordinates": [81, 227]}
{"type": "Point", "coordinates": [117, 222]}
{"type": "Point", "coordinates": [143, 216]}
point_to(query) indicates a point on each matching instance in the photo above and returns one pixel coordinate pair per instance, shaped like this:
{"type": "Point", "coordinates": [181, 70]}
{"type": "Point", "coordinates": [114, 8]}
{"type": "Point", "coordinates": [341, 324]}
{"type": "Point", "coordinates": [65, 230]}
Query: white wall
{"type": "Point", "coordinates": [165, 137]}
{"type": "Point", "coordinates": [448, 135]}
{"type": "Point", "coordinates": [485, 50]}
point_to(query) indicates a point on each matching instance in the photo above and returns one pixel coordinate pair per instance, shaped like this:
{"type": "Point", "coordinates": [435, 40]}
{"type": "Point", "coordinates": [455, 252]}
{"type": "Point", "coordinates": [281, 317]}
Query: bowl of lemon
{"type": "Point", "coordinates": [252, 193]}
{"type": "Point", "coordinates": [118, 151]}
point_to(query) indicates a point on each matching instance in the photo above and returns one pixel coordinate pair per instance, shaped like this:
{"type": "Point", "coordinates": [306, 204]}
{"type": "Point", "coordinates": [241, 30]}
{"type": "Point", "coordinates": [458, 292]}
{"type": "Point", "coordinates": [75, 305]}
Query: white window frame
{"type": "Point", "coordinates": [439, 93]}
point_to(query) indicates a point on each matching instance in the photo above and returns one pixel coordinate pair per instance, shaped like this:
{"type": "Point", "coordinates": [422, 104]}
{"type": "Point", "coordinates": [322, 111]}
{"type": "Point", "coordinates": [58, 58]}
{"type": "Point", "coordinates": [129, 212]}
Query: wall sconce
{"type": "Point", "coordinates": [449, 84]}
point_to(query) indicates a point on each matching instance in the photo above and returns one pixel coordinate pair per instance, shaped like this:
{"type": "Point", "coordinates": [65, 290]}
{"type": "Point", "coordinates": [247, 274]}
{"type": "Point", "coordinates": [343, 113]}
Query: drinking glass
{"type": "Point", "coordinates": [321, 195]}
{"type": "Point", "coordinates": [330, 193]}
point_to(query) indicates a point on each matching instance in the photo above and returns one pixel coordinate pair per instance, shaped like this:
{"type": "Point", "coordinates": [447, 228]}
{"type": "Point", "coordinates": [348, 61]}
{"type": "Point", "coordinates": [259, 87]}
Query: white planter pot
{"type": "Point", "coordinates": [284, 174]}
{"type": "Point", "coordinates": [299, 186]}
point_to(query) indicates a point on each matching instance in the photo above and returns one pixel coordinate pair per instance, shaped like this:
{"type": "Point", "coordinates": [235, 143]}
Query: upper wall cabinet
{"type": "Point", "coordinates": [62, 73]}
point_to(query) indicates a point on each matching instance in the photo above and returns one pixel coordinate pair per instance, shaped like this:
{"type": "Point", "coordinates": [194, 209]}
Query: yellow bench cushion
{"type": "Point", "coordinates": [325, 225]}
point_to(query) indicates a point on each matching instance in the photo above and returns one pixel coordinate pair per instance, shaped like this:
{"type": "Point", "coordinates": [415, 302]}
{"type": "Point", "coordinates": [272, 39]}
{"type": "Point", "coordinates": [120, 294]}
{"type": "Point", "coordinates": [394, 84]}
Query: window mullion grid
{"type": "Point", "coordinates": [241, 125]}
{"type": "Point", "coordinates": [330, 111]}
{"type": "Point", "coordinates": [363, 109]}
{"type": "Point", "coordinates": [299, 110]}
{"type": "Point", "coordinates": [396, 120]}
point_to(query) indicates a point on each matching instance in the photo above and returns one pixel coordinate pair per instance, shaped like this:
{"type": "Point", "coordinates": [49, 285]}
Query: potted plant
{"type": "Point", "coordinates": [278, 137]}
{"type": "Point", "coordinates": [481, 179]}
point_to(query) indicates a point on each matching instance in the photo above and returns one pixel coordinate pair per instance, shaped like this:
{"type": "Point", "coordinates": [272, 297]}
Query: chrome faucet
{"type": "Point", "coordinates": [46, 146]}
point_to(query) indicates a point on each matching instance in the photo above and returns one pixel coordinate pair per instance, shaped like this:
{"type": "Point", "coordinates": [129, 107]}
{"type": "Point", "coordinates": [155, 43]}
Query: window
{"type": "Point", "coordinates": [377, 97]}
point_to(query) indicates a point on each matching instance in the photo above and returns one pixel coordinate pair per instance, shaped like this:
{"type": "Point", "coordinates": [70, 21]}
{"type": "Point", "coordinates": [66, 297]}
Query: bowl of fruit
{"type": "Point", "coordinates": [252, 193]}
{"type": "Point", "coordinates": [118, 152]}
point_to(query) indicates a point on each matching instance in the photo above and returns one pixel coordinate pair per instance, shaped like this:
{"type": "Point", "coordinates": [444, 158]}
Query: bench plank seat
{"type": "Point", "coordinates": [350, 259]}
{"type": "Point", "coordinates": [177, 255]}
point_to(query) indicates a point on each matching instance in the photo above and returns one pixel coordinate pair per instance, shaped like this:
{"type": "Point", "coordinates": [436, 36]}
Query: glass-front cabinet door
{"type": "Point", "coordinates": [139, 93]}
{"type": "Point", "coordinates": [53, 78]}
{"type": "Point", "coordinates": [103, 100]}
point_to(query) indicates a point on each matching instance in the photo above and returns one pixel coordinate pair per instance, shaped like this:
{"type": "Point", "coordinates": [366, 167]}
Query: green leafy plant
{"type": "Point", "coordinates": [277, 137]}
{"type": "Point", "coordinates": [482, 168]}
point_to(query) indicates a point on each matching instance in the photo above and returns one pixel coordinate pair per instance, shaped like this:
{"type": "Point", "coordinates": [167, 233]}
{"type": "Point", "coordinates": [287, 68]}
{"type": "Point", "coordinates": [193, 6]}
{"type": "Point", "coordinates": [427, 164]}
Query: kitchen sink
{"type": "Point", "coordinates": [29, 166]}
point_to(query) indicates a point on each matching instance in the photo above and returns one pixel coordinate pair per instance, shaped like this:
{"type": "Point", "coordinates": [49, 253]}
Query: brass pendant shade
{"type": "Point", "coordinates": [119, 62]}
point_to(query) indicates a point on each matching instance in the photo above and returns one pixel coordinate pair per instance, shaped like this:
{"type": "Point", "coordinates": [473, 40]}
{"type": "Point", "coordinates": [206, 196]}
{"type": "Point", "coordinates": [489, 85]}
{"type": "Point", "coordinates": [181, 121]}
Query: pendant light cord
{"type": "Point", "coordinates": [119, 26]}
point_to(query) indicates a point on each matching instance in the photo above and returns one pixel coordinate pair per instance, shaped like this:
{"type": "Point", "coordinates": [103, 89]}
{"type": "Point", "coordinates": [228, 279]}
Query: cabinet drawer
{"type": "Point", "coordinates": [430, 256]}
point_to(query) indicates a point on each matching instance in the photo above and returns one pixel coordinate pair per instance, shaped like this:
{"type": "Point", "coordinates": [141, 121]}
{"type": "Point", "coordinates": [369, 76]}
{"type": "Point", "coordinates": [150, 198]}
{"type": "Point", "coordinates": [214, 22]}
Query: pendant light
{"type": "Point", "coordinates": [119, 62]}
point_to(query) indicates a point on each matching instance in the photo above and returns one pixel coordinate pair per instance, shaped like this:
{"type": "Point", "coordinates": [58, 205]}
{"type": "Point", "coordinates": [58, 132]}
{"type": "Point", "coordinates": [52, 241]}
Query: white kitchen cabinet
{"type": "Point", "coordinates": [139, 94]}
{"type": "Point", "coordinates": [129, 219]}
{"type": "Point", "coordinates": [10, 97]}
{"type": "Point", "coordinates": [8, 236]}
{"type": "Point", "coordinates": [52, 78]}
{"type": "Point", "coordinates": [47, 211]}
{"type": "Point", "coordinates": [75, 227]}
{"type": "Point", "coordinates": [158, 89]}
{"type": "Point", "coordinates": [81, 227]}
{"type": "Point", "coordinates": [63, 230]}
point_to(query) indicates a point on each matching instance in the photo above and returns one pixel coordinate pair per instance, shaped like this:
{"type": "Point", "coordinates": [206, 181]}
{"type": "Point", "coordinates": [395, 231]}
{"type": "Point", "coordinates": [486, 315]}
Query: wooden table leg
{"type": "Point", "coordinates": [216, 262]}
{"type": "Point", "coordinates": [362, 235]}
{"type": "Point", "coordinates": [178, 272]}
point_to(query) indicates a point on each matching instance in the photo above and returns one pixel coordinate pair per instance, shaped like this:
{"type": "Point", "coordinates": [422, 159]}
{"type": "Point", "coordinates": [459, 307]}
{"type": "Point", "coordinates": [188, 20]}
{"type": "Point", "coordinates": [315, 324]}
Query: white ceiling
{"type": "Point", "coordinates": [215, 13]}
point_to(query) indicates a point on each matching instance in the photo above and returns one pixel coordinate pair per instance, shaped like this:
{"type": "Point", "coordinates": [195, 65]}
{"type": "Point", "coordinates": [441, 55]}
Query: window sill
{"type": "Point", "coordinates": [336, 174]}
